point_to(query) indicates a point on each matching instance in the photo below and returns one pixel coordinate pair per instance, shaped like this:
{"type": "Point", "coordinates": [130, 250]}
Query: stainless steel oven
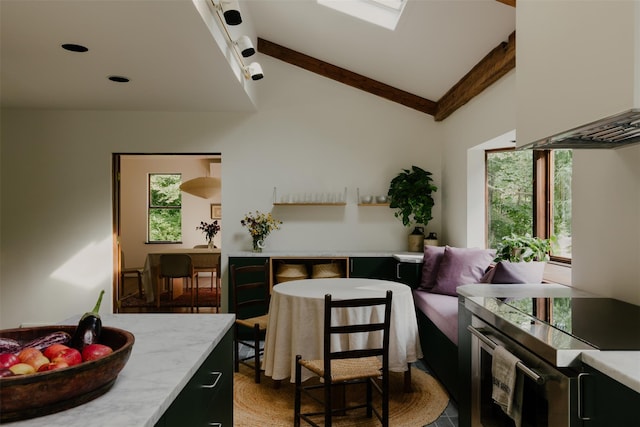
{"type": "Point", "coordinates": [548, 334]}
{"type": "Point", "coordinates": [549, 393]}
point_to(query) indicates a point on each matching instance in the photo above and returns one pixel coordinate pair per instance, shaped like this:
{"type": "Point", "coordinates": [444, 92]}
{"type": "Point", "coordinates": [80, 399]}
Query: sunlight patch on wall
{"type": "Point", "coordinates": [87, 269]}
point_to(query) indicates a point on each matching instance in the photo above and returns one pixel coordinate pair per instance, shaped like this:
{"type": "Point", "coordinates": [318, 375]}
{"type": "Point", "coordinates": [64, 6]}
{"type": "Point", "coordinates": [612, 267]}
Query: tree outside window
{"type": "Point", "coordinates": [165, 208]}
{"type": "Point", "coordinates": [509, 194]}
{"type": "Point", "coordinates": [516, 205]}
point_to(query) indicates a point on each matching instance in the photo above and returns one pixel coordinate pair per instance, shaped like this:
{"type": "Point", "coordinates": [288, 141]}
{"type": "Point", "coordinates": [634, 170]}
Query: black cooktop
{"type": "Point", "coordinates": [604, 323]}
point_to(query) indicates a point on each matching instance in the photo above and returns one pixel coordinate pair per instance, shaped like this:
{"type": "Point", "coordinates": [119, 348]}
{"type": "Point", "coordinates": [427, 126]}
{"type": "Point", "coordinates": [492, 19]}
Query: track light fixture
{"type": "Point", "coordinates": [245, 46]}
{"type": "Point", "coordinates": [254, 70]}
{"type": "Point", "coordinates": [231, 11]}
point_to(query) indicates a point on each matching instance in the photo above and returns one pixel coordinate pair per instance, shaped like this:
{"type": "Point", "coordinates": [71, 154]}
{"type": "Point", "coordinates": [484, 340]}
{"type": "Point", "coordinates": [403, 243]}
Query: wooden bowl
{"type": "Point", "coordinates": [34, 395]}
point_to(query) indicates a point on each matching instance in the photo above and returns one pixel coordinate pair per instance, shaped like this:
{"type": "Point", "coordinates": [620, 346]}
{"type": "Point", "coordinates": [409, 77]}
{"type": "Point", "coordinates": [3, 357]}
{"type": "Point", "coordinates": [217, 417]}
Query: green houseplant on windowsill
{"type": "Point", "coordinates": [521, 259]}
{"type": "Point", "coordinates": [410, 193]}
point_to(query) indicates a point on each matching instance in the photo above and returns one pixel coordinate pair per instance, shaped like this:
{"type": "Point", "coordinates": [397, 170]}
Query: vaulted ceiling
{"type": "Point", "coordinates": [442, 53]}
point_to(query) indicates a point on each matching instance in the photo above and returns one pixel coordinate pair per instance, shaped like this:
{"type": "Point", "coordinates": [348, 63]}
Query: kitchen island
{"type": "Point", "coordinates": [169, 349]}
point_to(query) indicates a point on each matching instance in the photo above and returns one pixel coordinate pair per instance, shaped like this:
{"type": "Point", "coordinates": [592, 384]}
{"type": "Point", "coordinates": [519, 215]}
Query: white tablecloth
{"type": "Point", "coordinates": [296, 317]}
{"type": "Point", "coordinates": [151, 273]}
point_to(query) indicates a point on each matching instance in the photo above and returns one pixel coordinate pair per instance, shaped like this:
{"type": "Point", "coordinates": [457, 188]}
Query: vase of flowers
{"type": "Point", "coordinates": [260, 225]}
{"type": "Point", "coordinates": [210, 230]}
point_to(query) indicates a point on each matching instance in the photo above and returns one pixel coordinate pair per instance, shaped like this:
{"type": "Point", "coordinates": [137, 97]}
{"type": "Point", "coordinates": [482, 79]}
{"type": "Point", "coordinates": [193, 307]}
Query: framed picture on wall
{"type": "Point", "coordinates": [216, 211]}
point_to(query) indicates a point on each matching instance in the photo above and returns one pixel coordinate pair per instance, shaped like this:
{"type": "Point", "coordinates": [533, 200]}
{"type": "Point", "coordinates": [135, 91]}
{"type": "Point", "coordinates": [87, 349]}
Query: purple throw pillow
{"type": "Point", "coordinates": [517, 272]}
{"type": "Point", "coordinates": [461, 266]}
{"type": "Point", "coordinates": [430, 265]}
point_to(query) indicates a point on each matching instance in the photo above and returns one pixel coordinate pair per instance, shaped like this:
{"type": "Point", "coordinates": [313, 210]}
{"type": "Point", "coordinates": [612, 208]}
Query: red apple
{"type": "Point", "coordinates": [95, 351]}
{"type": "Point", "coordinates": [53, 350]}
{"type": "Point", "coordinates": [53, 365]}
{"type": "Point", "coordinates": [33, 357]}
{"type": "Point", "coordinates": [28, 353]}
{"type": "Point", "coordinates": [70, 356]}
{"type": "Point", "coordinates": [8, 359]}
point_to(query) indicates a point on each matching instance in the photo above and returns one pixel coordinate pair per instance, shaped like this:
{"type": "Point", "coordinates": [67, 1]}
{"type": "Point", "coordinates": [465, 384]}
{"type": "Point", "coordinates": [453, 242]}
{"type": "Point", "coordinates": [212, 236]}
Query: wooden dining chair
{"type": "Point", "coordinates": [250, 287]}
{"type": "Point", "coordinates": [212, 266]}
{"type": "Point", "coordinates": [128, 272]}
{"type": "Point", "coordinates": [340, 368]}
{"type": "Point", "coordinates": [174, 266]}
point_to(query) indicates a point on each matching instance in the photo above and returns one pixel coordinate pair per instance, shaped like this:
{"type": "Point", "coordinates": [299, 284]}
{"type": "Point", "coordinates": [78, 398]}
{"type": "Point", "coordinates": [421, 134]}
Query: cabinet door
{"type": "Point", "coordinates": [372, 267]}
{"type": "Point", "coordinates": [606, 402]}
{"type": "Point", "coordinates": [207, 399]}
{"type": "Point", "coordinates": [385, 268]}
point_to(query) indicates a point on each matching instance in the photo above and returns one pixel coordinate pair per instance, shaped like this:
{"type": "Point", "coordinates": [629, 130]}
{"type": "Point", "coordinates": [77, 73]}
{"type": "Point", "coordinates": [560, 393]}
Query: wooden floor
{"type": "Point", "coordinates": [131, 286]}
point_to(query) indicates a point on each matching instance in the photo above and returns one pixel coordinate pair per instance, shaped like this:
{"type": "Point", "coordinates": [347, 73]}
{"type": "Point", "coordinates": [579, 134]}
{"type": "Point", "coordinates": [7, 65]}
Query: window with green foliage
{"type": "Point", "coordinates": [509, 194]}
{"type": "Point", "coordinates": [165, 208]}
{"type": "Point", "coordinates": [530, 192]}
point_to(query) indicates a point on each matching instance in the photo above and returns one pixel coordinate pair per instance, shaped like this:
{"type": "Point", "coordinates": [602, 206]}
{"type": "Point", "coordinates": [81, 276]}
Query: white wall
{"type": "Point", "coordinates": [309, 134]}
{"type": "Point", "coordinates": [484, 118]}
{"type": "Point", "coordinates": [606, 222]}
{"type": "Point", "coordinates": [134, 175]}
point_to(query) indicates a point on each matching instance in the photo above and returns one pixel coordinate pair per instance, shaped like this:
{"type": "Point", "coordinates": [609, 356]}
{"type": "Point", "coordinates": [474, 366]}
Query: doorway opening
{"type": "Point", "coordinates": [139, 207]}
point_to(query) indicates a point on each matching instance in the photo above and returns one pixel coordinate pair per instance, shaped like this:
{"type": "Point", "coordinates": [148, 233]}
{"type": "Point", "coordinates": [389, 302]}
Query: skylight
{"type": "Point", "coordinates": [384, 13]}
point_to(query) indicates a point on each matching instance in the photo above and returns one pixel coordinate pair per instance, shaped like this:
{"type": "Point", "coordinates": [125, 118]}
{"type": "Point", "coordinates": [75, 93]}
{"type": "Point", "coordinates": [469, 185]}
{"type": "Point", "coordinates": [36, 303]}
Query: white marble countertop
{"type": "Point", "coordinates": [622, 366]}
{"type": "Point", "coordinates": [168, 350]}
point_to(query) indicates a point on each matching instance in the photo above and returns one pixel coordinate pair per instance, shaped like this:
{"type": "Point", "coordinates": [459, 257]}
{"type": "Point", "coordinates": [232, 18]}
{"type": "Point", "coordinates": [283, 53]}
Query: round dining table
{"type": "Point", "coordinates": [296, 322]}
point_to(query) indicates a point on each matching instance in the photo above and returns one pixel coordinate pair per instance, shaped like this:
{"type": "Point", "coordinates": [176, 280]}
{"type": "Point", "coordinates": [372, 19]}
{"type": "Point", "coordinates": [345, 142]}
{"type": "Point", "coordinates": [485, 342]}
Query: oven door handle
{"type": "Point", "coordinates": [492, 345]}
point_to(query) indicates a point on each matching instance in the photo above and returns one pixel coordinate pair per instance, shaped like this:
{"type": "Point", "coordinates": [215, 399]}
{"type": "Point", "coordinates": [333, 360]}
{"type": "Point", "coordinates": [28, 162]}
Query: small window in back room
{"type": "Point", "coordinates": [165, 208]}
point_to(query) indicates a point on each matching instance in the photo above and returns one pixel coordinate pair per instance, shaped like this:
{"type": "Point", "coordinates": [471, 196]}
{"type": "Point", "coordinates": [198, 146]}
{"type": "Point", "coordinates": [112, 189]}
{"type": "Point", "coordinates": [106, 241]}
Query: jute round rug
{"type": "Point", "coordinates": [263, 405]}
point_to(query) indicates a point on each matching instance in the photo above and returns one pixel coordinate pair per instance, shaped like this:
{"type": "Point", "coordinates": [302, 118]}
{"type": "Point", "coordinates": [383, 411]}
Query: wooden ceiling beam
{"type": "Point", "coordinates": [346, 77]}
{"type": "Point", "coordinates": [511, 3]}
{"type": "Point", "coordinates": [492, 67]}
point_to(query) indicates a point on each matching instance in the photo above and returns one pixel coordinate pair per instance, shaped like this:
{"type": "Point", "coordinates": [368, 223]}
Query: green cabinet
{"type": "Point", "coordinates": [606, 402]}
{"type": "Point", "coordinates": [385, 268]}
{"type": "Point", "coordinates": [207, 399]}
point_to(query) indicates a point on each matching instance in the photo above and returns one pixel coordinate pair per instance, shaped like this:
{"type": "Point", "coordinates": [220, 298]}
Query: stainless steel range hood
{"type": "Point", "coordinates": [612, 132]}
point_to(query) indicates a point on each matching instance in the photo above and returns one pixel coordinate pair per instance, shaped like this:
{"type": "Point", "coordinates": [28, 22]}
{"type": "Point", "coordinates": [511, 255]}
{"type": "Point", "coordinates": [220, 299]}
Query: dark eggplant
{"type": "Point", "coordinates": [7, 345]}
{"type": "Point", "coordinates": [45, 341]}
{"type": "Point", "coordinates": [89, 328]}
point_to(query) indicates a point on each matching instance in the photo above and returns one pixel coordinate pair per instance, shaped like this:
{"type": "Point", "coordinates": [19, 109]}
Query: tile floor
{"type": "Point", "coordinates": [449, 417]}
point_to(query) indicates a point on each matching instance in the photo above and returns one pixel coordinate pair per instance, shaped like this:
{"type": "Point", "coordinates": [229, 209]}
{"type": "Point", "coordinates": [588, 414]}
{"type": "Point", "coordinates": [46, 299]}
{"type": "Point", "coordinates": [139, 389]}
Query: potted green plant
{"type": "Point", "coordinates": [410, 193]}
{"type": "Point", "coordinates": [521, 259]}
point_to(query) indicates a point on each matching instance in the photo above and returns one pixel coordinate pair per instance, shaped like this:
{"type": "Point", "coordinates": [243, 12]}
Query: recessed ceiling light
{"type": "Point", "coordinates": [74, 47]}
{"type": "Point", "coordinates": [118, 79]}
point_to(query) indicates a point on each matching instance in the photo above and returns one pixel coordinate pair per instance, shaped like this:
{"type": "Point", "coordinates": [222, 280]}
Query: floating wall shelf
{"type": "Point", "coordinates": [310, 199]}
{"type": "Point", "coordinates": [372, 203]}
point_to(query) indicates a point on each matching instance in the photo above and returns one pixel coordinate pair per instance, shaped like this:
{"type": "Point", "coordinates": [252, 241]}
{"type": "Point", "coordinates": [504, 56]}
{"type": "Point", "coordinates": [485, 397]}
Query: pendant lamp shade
{"type": "Point", "coordinates": [205, 187]}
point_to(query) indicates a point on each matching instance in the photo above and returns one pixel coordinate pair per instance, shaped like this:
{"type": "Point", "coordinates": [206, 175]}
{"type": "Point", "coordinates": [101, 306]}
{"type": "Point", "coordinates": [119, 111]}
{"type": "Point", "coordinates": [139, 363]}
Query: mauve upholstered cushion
{"type": "Point", "coordinates": [430, 265]}
{"type": "Point", "coordinates": [516, 272]}
{"type": "Point", "coordinates": [460, 266]}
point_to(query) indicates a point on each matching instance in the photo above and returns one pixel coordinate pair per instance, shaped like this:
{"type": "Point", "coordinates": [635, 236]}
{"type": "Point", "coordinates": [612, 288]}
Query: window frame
{"type": "Point", "coordinates": [543, 185]}
{"type": "Point", "coordinates": [150, 207]}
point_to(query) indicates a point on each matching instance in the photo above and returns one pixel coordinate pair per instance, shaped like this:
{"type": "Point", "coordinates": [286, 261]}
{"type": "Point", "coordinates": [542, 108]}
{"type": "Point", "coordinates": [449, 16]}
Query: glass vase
{"type": "Point", "coordinates": [258, 244]}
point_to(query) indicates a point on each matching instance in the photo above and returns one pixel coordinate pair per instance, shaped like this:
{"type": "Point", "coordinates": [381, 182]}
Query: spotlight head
{"type": "Point", "coordinates": [231, 12]}
{"type": "Point", "coordinates": [245, 46]}
{"type": "Point", "coordinates": [255, 71]}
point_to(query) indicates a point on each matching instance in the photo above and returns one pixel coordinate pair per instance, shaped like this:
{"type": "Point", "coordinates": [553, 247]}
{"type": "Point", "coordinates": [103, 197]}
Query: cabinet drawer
{"type": "Point", "coordinates": [207, 399]}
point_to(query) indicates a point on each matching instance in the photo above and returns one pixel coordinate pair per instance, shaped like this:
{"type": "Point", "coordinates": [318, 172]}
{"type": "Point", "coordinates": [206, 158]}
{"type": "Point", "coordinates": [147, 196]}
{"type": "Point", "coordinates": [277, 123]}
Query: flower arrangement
{"type": "Point", "coordinates": [260, 225]}
{"type": "Point", "coordinates": [210, 230]}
